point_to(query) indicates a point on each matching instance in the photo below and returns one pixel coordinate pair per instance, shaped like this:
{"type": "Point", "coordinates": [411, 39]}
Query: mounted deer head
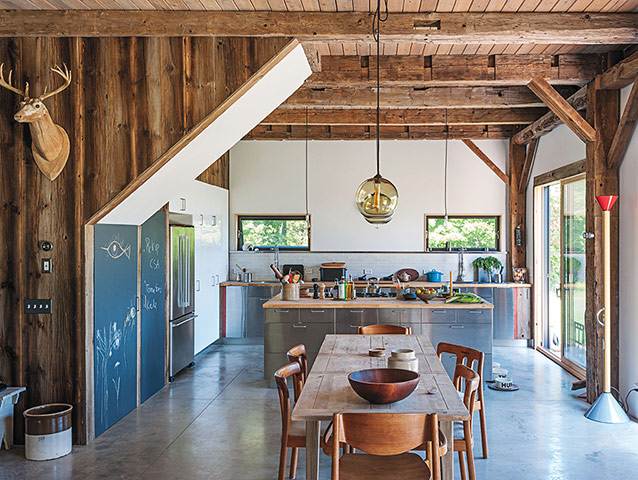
{"type": "Point", "coordinates": [49, 142]}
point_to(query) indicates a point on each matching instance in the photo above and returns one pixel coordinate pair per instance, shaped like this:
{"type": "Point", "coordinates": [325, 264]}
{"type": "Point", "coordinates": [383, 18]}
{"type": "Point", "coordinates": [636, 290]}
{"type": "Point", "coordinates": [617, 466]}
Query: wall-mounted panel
{"type": "Point", "coordinates": [115, 327]}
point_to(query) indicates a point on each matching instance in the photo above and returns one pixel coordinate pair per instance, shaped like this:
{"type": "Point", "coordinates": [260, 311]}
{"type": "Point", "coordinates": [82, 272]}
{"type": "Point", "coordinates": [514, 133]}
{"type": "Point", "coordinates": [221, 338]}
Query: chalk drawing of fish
{"type": "Point", "coordinates": [116, 250]}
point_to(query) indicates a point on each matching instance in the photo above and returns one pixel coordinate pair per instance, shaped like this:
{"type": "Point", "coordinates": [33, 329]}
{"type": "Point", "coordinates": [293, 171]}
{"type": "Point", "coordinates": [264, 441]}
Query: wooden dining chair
{"type": "Point", "coordinates": [474, 359]}
{"type": "Point", "coordinates": [384, 329]}
{"type": "Point", "coordinates": [293, 434]}
{"type": "Point", "coordinates": [463, 440]}
{"type": "Point", "coordinates": [298, 355]}
{"type": "Point", "coordinates": [387, 439]}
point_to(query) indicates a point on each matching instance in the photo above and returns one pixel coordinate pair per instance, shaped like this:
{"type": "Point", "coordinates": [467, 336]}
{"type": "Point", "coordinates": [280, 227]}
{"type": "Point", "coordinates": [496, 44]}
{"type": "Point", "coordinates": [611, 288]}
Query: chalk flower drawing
{"type": "Point", "coordinates": [115, 250]}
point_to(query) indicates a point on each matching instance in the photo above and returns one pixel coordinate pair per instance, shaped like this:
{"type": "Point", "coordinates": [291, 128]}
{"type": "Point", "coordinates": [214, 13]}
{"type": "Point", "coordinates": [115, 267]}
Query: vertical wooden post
{"type": "Point", "coordinates": [603, 114]}
{"type": "Point", "coordinates": [516, 215]}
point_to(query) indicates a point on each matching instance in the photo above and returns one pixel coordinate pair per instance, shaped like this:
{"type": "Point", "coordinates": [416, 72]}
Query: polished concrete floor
{"type": "Point", "coordinates": [218, 421]}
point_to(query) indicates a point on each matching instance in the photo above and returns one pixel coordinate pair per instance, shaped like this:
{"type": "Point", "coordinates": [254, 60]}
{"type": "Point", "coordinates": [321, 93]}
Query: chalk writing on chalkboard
{"type": "Point", "coordinates": [151, 246]}
{"type": "Point", "coordinates": [115, 250]}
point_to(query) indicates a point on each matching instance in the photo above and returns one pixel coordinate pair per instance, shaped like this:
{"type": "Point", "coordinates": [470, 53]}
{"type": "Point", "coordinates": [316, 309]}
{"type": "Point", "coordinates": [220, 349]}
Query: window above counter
{"type": "Point", "coordinates": [472, 233]}
{"type": "Point", "coordinates": [265, 232]}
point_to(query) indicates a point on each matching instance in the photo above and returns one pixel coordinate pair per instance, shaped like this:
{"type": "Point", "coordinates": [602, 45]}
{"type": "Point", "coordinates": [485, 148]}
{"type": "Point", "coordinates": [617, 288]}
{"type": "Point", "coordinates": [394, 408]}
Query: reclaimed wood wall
{"type": "Point", "coordinates": [129, 101]}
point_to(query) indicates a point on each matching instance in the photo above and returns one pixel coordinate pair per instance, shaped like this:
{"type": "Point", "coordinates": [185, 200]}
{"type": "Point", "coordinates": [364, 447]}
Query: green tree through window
{"type": "Point", "coordinates": [468, 232]}
{"type": "Point", "coordinates": [288, 232]}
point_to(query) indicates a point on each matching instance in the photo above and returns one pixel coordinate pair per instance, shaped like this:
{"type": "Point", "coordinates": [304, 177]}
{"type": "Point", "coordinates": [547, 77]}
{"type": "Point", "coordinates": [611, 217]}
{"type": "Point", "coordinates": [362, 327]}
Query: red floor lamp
{"type": "Point", "coordinates": [606, 409]}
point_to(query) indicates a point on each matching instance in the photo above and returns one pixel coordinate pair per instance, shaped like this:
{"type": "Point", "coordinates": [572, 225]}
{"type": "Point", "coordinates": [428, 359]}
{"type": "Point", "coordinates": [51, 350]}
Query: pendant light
{"type": "Point", "coordinates": [377, 198]}
{"type": "Point", "coordinates": [307, 213]}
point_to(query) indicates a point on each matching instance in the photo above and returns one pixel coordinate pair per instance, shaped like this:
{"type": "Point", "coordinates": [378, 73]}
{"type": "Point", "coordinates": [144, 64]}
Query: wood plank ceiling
{"type": "Point", "coordinates": [478, 78]}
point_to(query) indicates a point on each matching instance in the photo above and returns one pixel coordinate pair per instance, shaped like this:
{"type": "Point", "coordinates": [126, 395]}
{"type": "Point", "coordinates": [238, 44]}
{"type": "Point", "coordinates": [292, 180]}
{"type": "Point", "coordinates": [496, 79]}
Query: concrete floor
{"type": "Point", "coordinates": [218, 421]}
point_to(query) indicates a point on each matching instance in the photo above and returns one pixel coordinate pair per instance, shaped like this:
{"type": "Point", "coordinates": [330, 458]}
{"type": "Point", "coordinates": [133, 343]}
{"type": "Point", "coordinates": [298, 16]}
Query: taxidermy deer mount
{"type": "Point", "coordinates": [49, 142]}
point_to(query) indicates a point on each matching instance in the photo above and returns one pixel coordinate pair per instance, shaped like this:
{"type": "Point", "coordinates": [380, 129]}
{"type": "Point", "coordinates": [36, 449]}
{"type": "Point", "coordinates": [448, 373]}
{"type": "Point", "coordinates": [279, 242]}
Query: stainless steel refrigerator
{"type": "Point", "coordinates": [182, 298]}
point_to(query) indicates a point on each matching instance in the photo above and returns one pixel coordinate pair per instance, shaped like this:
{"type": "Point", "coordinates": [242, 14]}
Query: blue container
{"type": "Point", "coordinates": [434, 276]}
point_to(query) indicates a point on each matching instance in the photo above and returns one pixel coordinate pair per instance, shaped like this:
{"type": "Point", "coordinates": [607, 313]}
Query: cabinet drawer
{"type": "Point", "coordinates": [316, 315]}
{"type": "Point", "coordinates": [280, 337]}
{"type": "Point", "coordinates": [348, 320]}
{"type": "Point", "coordinates": [261, 292]}
{"type": "Point", "coordinates": [475, 315]}
{"type": "Point", "coordinates": [277, 315]}
{"type": "Point", "coordinates": [478, 336]}
{"type": "Point", "coordinates": [398, 316]}
{"type": "Point", "coordinates": [439, 315]}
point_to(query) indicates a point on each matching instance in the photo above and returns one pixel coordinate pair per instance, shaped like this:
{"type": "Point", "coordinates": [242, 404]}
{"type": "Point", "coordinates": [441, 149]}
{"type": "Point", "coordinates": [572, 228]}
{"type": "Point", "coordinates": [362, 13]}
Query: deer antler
{"type": "Point", "coordinates": [67, 81]}
{"type": "Point", "coordinates": [8, 85]}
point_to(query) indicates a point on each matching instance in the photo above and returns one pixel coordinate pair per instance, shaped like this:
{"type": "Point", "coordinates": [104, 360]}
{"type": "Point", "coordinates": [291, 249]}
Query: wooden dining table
{"type": "Point", "coordinates": [327, 390]}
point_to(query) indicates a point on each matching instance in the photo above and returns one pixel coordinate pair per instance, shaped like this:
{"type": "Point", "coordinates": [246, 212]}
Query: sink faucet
{"type": "Point", "coordinates": [277, 256]}
{"type": "Point", "coordinates": [461, 275]}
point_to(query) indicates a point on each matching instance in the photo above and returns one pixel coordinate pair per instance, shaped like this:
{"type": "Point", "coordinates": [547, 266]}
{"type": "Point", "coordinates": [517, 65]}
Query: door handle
{"type": "Point", "coordinates": [317, 311]}
{"type": "Point", "coordinates": [457, 326]}
{"type": "Point", "coordinates": [474, 312]}
{"type": "Point", "coordinates": [299, 326]}
{"type": "Point", "coordinates": [355, 311]}
{"type": "Point", "coordinates": [398, 311]}
{"type": "Point", "coordinates": [137, 304]}
{"type": "Point", "coordinates": [354, 326]}
{"type": "Point", "coordinates": [281, 311]}
{"type": "Point", "coordinates": [438, 311]}
{"type": "Point", "coordinates": [212, 280]}
{"type": "Point", "coordinates": [198, 285]}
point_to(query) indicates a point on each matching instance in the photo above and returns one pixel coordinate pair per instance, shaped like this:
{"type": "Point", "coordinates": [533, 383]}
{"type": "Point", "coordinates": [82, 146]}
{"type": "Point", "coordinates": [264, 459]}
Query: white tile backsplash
{"type": "Point", "coordinates": [381, 264]}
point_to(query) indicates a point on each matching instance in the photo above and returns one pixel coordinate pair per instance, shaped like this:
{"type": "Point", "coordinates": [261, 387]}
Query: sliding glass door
{"type": "Point", "coordinates": [560, 269]}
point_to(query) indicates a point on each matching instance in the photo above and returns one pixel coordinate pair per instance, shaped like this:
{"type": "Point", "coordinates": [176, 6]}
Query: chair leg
{"type": "Point", "coordinates": [462, 466]}
{"type": "Point", "coordinates": [293, 462]}
{"type": "Point", "coordinates": [483, 430]}
{"type": "Point", "coordinates": [470, 459]}
{"type": "Point", "coordinates": [282, 462]}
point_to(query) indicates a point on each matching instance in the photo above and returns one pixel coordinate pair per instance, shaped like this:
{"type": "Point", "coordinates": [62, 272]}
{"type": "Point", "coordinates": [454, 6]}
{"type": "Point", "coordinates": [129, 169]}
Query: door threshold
{"type": "Point", "coordinates": [568, 366]}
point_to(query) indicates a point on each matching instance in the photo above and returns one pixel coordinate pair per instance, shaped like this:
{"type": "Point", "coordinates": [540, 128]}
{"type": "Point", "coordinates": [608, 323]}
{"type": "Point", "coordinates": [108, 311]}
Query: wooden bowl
{"type": "Point", "coordinates": [384, 385]}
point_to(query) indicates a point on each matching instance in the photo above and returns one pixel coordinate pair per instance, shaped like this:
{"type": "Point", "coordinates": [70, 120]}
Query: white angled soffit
{"type": "Point", "coordinates": [244, 110]}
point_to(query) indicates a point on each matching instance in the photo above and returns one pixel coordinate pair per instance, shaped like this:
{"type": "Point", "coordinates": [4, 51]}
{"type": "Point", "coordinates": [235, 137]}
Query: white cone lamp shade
{"type": "Point", "coordinates": [606, 409]}
{"type": "Point", "coordinates": [377, 200]}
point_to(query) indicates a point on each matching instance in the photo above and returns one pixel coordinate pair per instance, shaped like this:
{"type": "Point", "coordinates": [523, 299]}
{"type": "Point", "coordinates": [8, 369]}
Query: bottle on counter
{"type": "Point", "coordinates": [351, 293]}
{"type": "Point", "coordinates": [335, 290]}
{"type": "Point", "coordinates": [342, 289]}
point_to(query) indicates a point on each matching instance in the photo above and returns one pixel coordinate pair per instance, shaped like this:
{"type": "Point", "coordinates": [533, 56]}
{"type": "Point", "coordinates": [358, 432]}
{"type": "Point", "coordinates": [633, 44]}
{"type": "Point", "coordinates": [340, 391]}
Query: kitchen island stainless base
{"type": "Point", "coordinates": [308, 321]}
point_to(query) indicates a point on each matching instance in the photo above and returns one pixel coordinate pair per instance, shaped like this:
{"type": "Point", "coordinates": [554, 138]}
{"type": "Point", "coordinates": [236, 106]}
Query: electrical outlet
{"type": "Point", "coordinates": [367, 271]}
{"type": "Point", "coordinates": [310, 270]}
{"type": "Point", "coordinates": [37, 306]}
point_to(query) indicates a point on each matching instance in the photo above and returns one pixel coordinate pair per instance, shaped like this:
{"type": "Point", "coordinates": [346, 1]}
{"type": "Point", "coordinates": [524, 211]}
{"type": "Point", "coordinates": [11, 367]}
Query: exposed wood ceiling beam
{"type": "Point", "coordinates": [621, 74]}
{"type": "Point", "coordinates": [625, 129]}
{"type": "Point", "coordinates": [563, 110]}
{"type": "Point", "coordinates": [400, 117]}
{"type": "Point", "coordinates": [550, 121]}
{"type": "Point", "coordinates": [314, 59]}
{"type": "Point", "coordinates": [454, 70]}
{"type": "Point", "coordinates": [434, 97]}
{"type": "Point", "coordinates": [530, 155]}
{"type": "Point", "coordinates": [357, 132]}
{"type": "Point", "coordinates": [486, 160]}
{"type": "Point", "coordinates": [451, 28]}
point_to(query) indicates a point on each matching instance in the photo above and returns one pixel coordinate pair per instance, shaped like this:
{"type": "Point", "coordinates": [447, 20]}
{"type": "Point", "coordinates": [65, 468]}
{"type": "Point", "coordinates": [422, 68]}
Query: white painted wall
{"type": "Point", "coordinates": [628, 204]}
{"type": "Point", "coordinates": [269, 177]}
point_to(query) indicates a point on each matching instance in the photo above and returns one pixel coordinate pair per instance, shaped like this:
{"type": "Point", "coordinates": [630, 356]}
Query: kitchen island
{"type": "Point", "coordinates": [308, 321]}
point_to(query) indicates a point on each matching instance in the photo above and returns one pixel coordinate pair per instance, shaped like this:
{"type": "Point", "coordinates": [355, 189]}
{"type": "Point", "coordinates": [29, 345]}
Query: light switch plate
{"type": "Point", "coordinates": [37, 306]}
{"type": "Point", "coordinates": [46, 265]}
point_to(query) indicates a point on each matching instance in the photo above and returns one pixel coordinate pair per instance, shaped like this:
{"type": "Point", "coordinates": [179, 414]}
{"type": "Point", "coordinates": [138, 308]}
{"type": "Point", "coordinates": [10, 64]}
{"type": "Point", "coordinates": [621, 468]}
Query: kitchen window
{"type": "Point", "coordinates": [264, 232]}
{"type": "Point", "coordinates": [467, 232]}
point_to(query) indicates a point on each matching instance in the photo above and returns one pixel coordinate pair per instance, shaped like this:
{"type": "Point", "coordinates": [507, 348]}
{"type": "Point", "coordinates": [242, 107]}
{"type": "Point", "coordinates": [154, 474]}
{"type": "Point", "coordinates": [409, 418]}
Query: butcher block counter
{"type": "Point", "coordinates": [307, 321]}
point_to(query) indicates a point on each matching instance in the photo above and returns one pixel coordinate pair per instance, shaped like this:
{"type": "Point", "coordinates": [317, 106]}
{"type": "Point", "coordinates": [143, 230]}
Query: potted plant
{"type": "Point", "coordinates": [485, 266]}
{"type": "Point", "coordinates": [492, 265]}
{"type": "Point", "coordinates": [481, 271]}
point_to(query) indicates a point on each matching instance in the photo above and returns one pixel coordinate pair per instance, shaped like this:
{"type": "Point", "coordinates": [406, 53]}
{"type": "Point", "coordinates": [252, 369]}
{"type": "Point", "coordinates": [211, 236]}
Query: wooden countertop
{"type": "Point", "coordinates": [309, 302]}
{"type": "Point", "coordinates": [386, 284]}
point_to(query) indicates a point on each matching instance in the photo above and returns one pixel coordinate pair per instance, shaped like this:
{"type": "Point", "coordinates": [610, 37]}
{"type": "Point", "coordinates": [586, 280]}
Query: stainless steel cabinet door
{"type": "Point", "coordinates": [477, 336]}
{"type": "Point", "coordinates": [474, 315]}
{"type": "Point", "coordinates": [235, 311]}
{"type": "Point", "coordinates": [348, 320]}
{"type": "Point", "coordinates": [406, 317]}
{"type": "Point", "coordinates": [439, 315]}
{"type": "Point", "coordinates": [280, 337]}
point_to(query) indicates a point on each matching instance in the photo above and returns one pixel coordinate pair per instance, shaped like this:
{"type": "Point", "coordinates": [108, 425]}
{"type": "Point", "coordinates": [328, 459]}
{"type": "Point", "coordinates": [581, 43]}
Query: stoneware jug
{"type": "Point", "coordinates": [403, 358]}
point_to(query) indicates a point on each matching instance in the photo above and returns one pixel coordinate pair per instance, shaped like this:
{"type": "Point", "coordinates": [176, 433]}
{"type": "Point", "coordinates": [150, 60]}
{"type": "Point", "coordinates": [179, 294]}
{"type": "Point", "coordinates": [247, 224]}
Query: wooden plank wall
{"type": "Point", "coordinates": [129, 101]}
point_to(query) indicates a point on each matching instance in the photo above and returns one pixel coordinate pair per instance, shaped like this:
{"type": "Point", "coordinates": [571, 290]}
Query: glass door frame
{"type": "Point", "coordinates": [539, 248]}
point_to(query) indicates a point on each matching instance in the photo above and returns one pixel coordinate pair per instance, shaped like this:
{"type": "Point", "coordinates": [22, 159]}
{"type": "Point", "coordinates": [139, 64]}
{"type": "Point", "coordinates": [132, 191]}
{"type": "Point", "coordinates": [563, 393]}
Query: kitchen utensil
{"type": "Point", "coordinates": [296, 276]}
{"type": "Point", "coordinates": [334, 264]}
{"type": "Point", "coordinates": [247, 247]}
{"type": "Point", "coordinates": [305, 292]}
{"type": "Point", "coordinates": [290, 268]}
{"type": "Point", "coordinates": [384, 385]}
{"type": "Point", "coordinates": [247, 277]}
{"type": "Point", "coordinates": [277, 272]}
{"type": "Point", "coordinates": [373, 288]}
{"type": "Point", "coordinates": [403, 358]}
{"type": "Point", "coordinates": [376, 352]}
{"type": "Point", "coordinates": [407, 274]}
{"type": "Point", "coordinates": [330, 274]}
{"type": "Point", "coordinates": [241, 268]}
{"type": "Point", "coordinates": [238, 276]}
{"type": "Point", "coordinates": [315, 291]}
{"type": "Point", "coordinates": [409, 296]}
{"type": "Point", "coordinates": [434, 276]}
{"type": "Point", "coordinates": [290, 291]}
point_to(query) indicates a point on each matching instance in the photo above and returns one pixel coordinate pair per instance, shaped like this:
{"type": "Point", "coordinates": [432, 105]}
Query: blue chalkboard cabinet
{"type": "Point", "coordinates": [153, 305]}
{"type": "Point", "coordinates": [115, 323]}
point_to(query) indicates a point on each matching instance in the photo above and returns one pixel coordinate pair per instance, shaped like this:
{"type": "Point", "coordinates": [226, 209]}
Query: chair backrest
{"type": "Point", "coordinates": [281, 379]}
{"type": "Point", "coordinates": [384, 329]}
{"type": "Point", "coordinates": [468, 382]}
{"type": "Point", "coordinates": [467, 356]}
{"type": "Point", "coordinates": [298, 354]}
{"type": "Point", "coordinates": [382, 433]}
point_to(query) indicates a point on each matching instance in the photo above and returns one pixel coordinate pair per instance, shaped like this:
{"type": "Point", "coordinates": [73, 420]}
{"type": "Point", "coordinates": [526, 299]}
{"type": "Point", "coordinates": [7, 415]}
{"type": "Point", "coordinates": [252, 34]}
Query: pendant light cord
{"type": "Point", "coordinates": [445, 179]}
{"type": "Point", "coordinates": [376, 34]}
{"type": "Point", "coordinates": [307, 164]}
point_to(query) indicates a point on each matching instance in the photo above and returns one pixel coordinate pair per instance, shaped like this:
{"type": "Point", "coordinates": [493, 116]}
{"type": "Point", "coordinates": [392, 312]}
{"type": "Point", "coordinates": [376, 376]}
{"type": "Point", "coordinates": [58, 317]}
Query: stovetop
{"type": "Point", "coordinates": [379, 295]}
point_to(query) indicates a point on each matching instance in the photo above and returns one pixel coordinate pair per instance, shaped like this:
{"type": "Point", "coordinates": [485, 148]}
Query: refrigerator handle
{"type": "Point", "coordinates": [198, 288]}
{"type": "Point", "coordinates": [137, 303]}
